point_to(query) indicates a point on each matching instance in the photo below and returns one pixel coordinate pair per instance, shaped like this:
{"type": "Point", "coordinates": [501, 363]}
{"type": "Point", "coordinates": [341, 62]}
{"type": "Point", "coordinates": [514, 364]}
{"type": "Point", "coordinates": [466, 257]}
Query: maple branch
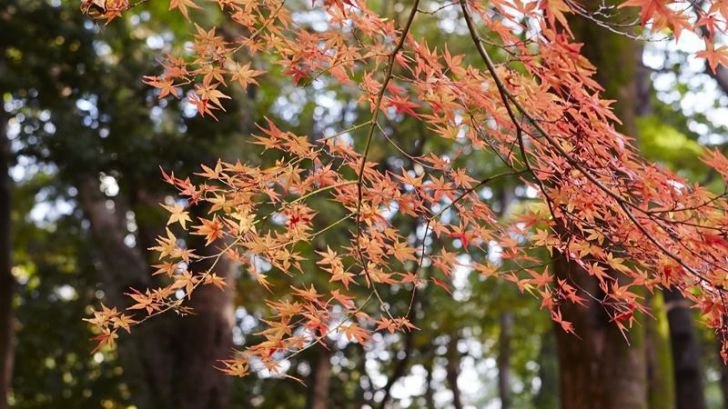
{"type": "Point", "coordinates": [438, 9]}
{"type": "Point", "coordinates": [175, 305]}
{"type": "Point", "coordinates": [270, 19]}
{"type": "Point", "coordinates": [378, 105]}
{"type": "Point", "coordinates": [440, 213]}
{"type": "Point", "coordinates": [301, 198]}
{"type": "Point", "coordinates": [318, 339]}
{"type": "Point", "coordinates": [370, 136]}
{"type": "Point", "coordinates": [720, 75]}
{"type": "Point", "coordinates": [319, 190]}
{"type": "Point", "coordinates": [310, 238]}
{"type": "Point", "coordinates": [348, 130]}
{"type": "Point", "coordinates": [583, 12]}
{"type": "Point", "coordinates": [401, 364]}
{"type": "Point", "coordinates": [409, 156]}
{"type": "Point", "coordinates": [507, 96]}
{"type": "Point", "coordinates": [702, 205]}
{"type": "Point", "coordinates": [411, 316]}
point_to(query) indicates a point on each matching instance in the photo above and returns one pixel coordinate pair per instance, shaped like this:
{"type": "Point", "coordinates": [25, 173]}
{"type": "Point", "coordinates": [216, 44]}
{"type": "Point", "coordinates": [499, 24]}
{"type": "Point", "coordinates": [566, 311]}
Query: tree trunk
{"type": "Point", "coordinates": [402, 363]}
{"type": "Point", "coordinates": [362, 381]}
{"type": "Point", "coordinates": [548, 372]}
{"type": "Point", "coordinates": [686, 353]}
{"type": "Point", "coordinates": [453, 370]}
{"type": "Point", "coordinates": [321, 378]}
{"type": "Point", "coordinates": [504, 359]}
{"type": "Point", "coordinates": [721, 78]}
{"type": "Point", "coordinates": [7, 282]}
{"type": "Point", "coordinates": [723, 377]}
{"type": "Point", "coordinates": [660, 380]}
{"type": "Point", "coordinates": [507, 197]}
{"type": "Point", "coordinates": [429, 392]}
{"type": "Point", "coordinates": [203, 339]}
{"type": "Point", "coordinates": [600, 370]}
{"type": "Point", "coordinates": [169, 361]}
{"type": "Point", "coordinates": [145, 355]}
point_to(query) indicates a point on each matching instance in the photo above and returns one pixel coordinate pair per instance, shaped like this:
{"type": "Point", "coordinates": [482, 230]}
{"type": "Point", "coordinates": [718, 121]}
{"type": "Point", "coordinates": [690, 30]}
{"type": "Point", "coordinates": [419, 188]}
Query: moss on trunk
{"type": "Point", "coordinates": [661, 383]}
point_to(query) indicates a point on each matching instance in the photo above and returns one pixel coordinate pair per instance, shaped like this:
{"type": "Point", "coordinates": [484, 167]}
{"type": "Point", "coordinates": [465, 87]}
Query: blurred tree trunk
{"type": "Point", "coordinates": [505, 320]}
{"type": "Point", "coordinates": [601, 370]}
{"type": "Point", "coordinates": [429, 392]}
{"type": "Point", "coordinates": [122, 267]}
{"type": "Point", "coordinates": [320, 380]}
{"type": "Point", "coordinates": [402, 363]}
{"type": "Point", "coordinates": [360, 392]}
{"type": "Point", "coordinates": [685, 353]}
{"type": "Point", "coordinates": [169, 362]}
{"type": "Point", "coordinates": [453, 370]}
{"type": "Point", "coordinates": [504, 359]}
{"type": "Point", "coordinates": [723, 377]}
{"type": "Point", "coordinates": [7, 282]}
{"type": "Point", "coordinates": [203, 339]}
{"type": "Point", "coordinates": [548, 372]}
{"type": "Point", "coordinates": [404, 355]}
{"type": "Point", "coordinates": [721, 78]}
{"type": "Point", "coordinates": [660, 379]}
{"type": "Point", "coordinates": [418, 302]}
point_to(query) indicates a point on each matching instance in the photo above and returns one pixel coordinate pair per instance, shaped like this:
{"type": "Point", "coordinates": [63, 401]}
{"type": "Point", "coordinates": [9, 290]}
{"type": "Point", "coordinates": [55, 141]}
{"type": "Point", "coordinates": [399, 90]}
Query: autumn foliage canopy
{"type": "Point", "coordinates": [524, 93]}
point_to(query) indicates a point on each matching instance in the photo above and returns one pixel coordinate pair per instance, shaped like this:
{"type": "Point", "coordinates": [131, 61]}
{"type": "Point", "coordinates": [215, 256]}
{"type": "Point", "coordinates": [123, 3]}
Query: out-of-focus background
{"type": "Point", "coordinates": [82, 141]}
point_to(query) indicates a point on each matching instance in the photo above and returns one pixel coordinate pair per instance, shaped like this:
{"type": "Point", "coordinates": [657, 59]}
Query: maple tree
{"type": "Point", "coordinates": [526, 94]}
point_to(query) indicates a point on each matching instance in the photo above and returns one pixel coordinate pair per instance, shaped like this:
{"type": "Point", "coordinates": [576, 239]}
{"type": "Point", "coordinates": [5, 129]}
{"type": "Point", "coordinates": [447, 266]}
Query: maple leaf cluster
{"type": "Point", "coordinates": [532, 100]}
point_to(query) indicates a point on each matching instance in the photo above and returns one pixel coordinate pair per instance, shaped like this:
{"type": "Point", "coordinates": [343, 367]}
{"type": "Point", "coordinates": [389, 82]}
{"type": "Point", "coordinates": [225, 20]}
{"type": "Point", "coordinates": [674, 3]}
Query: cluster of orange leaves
{"type": "Point", "coordinates": [533, 102]}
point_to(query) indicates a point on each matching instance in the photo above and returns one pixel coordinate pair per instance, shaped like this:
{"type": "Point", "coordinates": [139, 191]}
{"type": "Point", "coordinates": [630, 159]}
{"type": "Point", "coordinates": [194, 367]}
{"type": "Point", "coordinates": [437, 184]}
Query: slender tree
{"type": "Point", "coordinates": [7, 282]}
{"type": "Point", "coordinates": [319, 391]}
{"type": "Point", "coordinates": [548, 396]}
{"type": "Point", "coordinates": [688, 370]}
{"type": "Point", "coordinates": [452, 369]}
{"type": "Point", "coordinates": [503, 360]}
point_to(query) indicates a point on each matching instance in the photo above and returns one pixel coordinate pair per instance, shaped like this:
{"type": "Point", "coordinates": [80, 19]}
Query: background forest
{"type": "Point", "coordinates": [81, 142]}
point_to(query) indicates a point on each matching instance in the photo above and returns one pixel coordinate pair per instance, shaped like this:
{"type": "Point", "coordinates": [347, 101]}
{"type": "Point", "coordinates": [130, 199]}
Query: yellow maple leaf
{"type": "Point", "coordinates": [178, 215]}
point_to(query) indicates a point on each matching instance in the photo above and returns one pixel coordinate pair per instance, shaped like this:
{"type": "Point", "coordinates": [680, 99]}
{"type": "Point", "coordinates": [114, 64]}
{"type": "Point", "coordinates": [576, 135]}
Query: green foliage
{"type": "Point", "coordinates": [661, 142]}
